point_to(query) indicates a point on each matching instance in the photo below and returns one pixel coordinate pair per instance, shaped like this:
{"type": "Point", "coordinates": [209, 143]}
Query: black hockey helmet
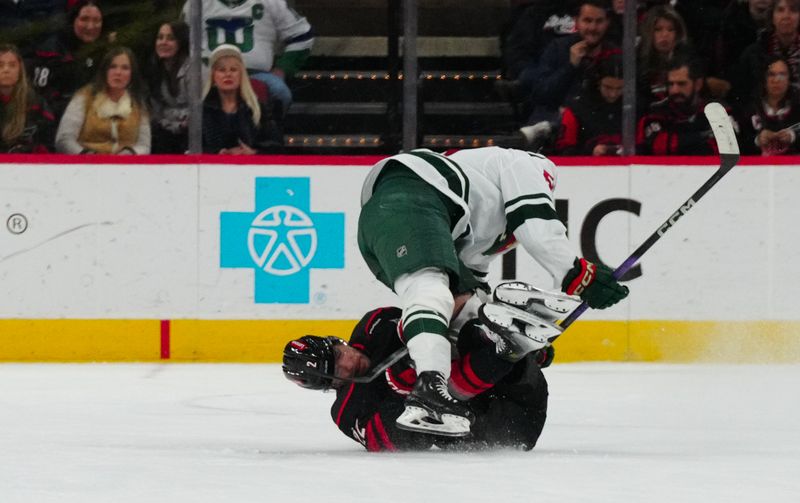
{"type": "Point", "coordinates": [310, 361]}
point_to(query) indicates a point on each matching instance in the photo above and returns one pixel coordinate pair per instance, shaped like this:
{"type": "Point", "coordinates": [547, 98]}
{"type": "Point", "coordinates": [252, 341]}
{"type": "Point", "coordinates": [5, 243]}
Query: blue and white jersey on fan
{"type": "Point", "coordinates": [256, 27]}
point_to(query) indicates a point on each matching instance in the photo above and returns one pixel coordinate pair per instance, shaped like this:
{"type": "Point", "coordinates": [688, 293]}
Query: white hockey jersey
{"type": "Point", "coordinates": [257, 27]}
{"type": "Point", "coordinates": [506, 196]}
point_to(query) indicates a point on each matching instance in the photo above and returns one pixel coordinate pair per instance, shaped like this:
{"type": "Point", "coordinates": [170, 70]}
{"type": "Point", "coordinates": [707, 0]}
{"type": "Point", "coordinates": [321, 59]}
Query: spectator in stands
{"type": "Point", "coordinates": [130, 22]}
{"type": "Point", "coordinates": [169, 95]}
{"type": "Point", "coordinates": [234, 122]}
{"type": "Point", "coordinates": [26, 124]}
{"type": "Point", "coordinates": [782, 39]}
{"type": "Point", "coordinates": [678, 126]}
{"type": "Point", "coordinates": [30, 21]}
{"type": "Point", "coordinates": [663, 38]}
{"type": "Point", "coordinates": [771, 120]}
{"type": "Point", "coordinates": [592, 123]}
{"type": "Point", "coordinates": [741, 24]}
{"type": "Point", "coordinates": [67, 61]}
{"type": "Point", "coordinates": [108, 116]}
{"type": "Point", "coordinates": [567, 61]}
{"type": "Point", "coordinates": [534, 26]}
{"type": "Point", "coordinates": [616, 21]}
{"type": "Point", "coordinates": [259, 28]}
{"type": "Point", "coordinates": [703, 20]}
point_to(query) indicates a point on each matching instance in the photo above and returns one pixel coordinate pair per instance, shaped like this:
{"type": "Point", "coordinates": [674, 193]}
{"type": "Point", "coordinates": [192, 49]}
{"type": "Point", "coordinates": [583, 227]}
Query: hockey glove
{"type": "Point", "coordinates": [594, 284]}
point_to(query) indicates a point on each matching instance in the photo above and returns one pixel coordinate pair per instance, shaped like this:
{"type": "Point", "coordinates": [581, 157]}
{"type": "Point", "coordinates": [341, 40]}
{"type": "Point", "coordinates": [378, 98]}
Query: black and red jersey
{"type": "Point", "coordinates": [589, 121]}
{"type": "Point", "coordinates": [759, 116]}
{"type": "Point", "coordinates": [367, 412]}
{"type": "Point", "coordinates": [670, 129]}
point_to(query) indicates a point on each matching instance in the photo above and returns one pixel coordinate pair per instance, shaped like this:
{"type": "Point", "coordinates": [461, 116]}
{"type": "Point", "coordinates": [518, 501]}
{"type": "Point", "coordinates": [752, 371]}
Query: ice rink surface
{"type": "Point", "coordinates": [241, 433]}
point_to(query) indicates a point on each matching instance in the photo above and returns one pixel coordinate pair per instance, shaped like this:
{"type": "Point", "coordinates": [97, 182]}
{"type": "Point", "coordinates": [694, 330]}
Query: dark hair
{"type": "Point", "coordinates": [75, 10]}
{"type": "Point", "coordinates": [72, 15]}
{"type": "Point", "coordinates": [600, 4]}
{"type": "Point", "coordinates": [696, 68]}
{"type": "Point", "coordinates": [647, 30]}
{"type": "Point", "coordinates": [135, 88]}
{"type": "Point", "coordinates": [159, 72]}
{"type": "Point", "coordinates": [610, 66]}
{"type": "Point", "coordinates": [760, 90]}
{"type": "Point", "coordinates": [793, 4]}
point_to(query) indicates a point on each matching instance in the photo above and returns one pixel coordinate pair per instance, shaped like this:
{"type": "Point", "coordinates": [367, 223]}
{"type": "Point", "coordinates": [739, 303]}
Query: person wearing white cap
{"type": "Point", "coordinates": [233, 120]}
{"type": "Point", "coordinates": [257, 28]}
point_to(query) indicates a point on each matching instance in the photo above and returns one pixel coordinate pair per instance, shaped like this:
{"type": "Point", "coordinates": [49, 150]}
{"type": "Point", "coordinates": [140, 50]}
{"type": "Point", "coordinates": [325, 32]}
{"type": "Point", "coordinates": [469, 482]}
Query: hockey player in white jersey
{"type": "Point", "coordinates": [258, 28]}
{"type": "Point", "coordinates": [431, 224]}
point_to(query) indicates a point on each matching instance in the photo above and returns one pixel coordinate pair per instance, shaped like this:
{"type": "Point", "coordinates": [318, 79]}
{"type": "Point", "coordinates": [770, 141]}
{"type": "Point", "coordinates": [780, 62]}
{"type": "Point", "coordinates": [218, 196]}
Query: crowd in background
{"type": "Point", "coordinates": [85, 76]}
{"type": "Point", "coordinates": [563, 61]}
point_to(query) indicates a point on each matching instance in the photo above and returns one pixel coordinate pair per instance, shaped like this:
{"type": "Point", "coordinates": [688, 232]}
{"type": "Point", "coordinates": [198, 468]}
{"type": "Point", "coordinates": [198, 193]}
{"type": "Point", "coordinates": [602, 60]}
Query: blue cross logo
{"type": "Point", "coordinates": [282, 240]}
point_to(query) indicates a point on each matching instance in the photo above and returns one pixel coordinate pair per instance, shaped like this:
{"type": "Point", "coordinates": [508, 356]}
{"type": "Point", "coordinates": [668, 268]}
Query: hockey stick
{"type": "Point", "coordinates": [378, 370]}
{"type": "Point", "coordinates": [729, 155]}
{"type": "Point", "coordinates": [728, 148]}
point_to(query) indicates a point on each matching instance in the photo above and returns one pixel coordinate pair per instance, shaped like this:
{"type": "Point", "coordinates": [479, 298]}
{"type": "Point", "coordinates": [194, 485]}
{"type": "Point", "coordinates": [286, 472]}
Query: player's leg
{"type": "Point", "coordinates": [513, 413]}
{"type": "Point", "coordinates": [405, 238]}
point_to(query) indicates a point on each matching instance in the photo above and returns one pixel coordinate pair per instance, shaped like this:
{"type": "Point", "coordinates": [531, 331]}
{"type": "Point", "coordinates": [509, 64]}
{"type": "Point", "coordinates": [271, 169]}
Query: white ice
{"type": "Point", "coordinates": [241, 433]}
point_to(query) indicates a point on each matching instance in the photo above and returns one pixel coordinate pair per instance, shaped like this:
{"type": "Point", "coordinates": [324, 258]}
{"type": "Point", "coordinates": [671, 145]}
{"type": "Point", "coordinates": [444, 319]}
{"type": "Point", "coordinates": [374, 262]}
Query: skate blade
{"type": "Point", "coordinates": [417, 419]}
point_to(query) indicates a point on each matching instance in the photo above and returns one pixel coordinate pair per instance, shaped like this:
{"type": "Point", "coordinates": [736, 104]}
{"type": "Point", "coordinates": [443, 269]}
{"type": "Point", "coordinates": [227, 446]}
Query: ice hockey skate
{"type": "Point", "coordinates": [515, 332]}
{"type": "Point", "coordinates": [549, 305]}
{"type": "Point", "coordinates": [431, 409]}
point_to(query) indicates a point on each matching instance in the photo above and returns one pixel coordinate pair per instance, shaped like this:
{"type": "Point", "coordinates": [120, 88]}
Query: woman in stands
{"type": "Point", "coordinates": [663, 36]}
{"type": "Point", "coordinates": [108, 116]}
{"type": "Point", "coordinates": [67, 60]}
{"type": "Point", "coordinates": [234, 122]}
{"type": "Point", "coordinates": [26, 124]}
{"type": "Point", "coordinates": [169, 97]}
{"type": "Point", "coordinates": [781, 39]}
{"type": "Point", "coordinates": [771, 122]}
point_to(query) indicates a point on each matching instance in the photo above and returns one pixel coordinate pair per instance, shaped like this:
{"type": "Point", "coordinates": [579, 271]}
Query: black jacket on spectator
{"type": "Point", "coordinates": [757, 116]}
{"type": "Point", "coordinates": [750, 70]}
{"type": "Point", "coordinates": [675, 130]}
{"type": "Point", "coordinates": [39, 132]}
{"type": "Point", "coordinates": [555, 80]}
{"type": "Point", "coordinates": [222, 130]}
{"type": "Point", "coordinates": [535, 26]}
{"type": "Point", "coordinates": [61, 65]}
{"type": "Point", "coordinates": [738, 31]}
{"type": "Point", "coordinates": [703, 21]}
{"type": "Point", "coordinates": [589, 121]}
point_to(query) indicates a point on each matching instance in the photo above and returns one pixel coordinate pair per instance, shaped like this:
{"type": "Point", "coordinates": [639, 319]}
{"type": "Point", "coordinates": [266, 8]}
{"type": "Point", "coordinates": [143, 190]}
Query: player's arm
{"type": "Point", "coordinates": [367, 413]}
{"type": "Point", "coordinates": [296, 34]}
{"type": "Point", "coordinates": [531, 216]}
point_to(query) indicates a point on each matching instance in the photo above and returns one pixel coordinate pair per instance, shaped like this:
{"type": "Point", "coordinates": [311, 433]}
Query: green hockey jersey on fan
{"type": "Point", "coordinates": [257, 28]}
{"type": "Point", "coordinates": [500, 197]}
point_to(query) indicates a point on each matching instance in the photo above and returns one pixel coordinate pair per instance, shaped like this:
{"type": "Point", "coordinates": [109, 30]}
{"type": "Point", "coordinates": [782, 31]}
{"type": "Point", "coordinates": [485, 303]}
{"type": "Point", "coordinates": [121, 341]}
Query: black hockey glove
{"type": "Point", "coordinates": [594, 284]}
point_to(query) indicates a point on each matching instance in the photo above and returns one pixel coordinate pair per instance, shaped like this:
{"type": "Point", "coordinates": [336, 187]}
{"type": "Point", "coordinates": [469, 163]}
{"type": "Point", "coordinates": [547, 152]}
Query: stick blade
{"type": "Point", "coordinates": [722, 127]}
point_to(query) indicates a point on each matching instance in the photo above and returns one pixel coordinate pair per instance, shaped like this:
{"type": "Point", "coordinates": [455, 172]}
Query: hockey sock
{"type": "Point", "coordinates": [430, 352]}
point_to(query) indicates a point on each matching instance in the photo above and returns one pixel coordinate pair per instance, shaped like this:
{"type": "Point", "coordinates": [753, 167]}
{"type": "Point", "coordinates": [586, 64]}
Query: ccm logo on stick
{"type": "Point", "coordinates": [684, 209]}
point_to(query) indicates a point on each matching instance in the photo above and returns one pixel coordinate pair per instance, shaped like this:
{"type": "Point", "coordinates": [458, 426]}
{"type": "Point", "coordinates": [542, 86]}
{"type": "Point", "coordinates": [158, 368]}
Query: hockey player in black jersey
{"type": "Point", "coordinates": [496, 375]}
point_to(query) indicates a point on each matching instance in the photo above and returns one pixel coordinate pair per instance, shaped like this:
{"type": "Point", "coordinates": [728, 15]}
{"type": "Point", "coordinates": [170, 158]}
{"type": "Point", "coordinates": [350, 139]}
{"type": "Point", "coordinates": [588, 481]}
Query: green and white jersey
{"type": "Point", "coordinates": [256, 27]}
{"type": "Point", "coordinates": [506, 197]}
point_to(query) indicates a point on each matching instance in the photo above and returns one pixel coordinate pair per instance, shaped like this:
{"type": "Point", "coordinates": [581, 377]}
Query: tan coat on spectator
{"type": "Point", "coordinates": [90, 126]}
{"type": "Point", "coordinates": [109, 126]}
